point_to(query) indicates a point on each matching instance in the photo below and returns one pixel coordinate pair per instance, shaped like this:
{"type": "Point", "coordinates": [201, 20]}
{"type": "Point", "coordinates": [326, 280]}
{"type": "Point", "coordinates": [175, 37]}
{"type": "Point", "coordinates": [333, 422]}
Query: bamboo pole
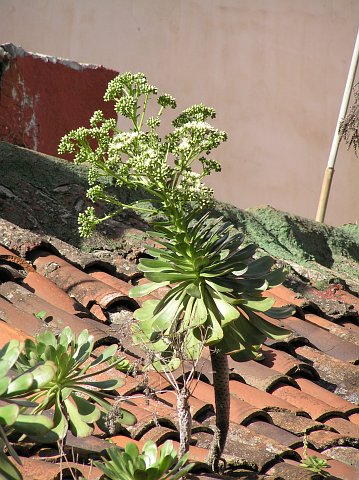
{"type": "Point", "coordinates": [329, 172]}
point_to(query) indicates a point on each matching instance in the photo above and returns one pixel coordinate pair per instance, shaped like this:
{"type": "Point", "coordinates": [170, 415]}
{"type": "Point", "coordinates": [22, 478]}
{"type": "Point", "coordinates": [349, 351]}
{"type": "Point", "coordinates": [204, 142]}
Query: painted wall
{"type": "Point", "coordinates": [274, 70]}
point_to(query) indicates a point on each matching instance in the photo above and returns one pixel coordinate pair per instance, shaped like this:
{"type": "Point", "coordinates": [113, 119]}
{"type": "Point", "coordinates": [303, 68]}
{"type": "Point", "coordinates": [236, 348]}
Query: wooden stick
{"type": "Point", "coordinates": [329, 172]}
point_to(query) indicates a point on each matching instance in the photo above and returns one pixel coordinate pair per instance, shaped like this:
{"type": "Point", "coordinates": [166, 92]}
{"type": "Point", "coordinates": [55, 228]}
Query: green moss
{"type": "Point", "coordinates": [331, 251]}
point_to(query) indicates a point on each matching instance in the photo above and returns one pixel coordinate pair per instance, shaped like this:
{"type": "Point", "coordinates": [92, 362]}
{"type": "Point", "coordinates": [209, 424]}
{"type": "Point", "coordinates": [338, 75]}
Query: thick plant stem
{"type": "Point", "coordinates": [184, 420]}
{"type": "Point", "coordinates": [222, 399]}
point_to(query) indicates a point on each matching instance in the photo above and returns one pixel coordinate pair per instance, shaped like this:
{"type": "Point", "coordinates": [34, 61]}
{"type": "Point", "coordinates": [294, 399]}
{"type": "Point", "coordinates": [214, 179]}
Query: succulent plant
{"type": "Point", "coordinates": [77, 398]}
{"type": "Point", "coordinates": [315, 465]}
{"type": "Point", "coordinates": [147, 465]}
{"type": "Point", "coordinates": [217, 294]}
{"type": "Point", "coordinates": [13, 416]}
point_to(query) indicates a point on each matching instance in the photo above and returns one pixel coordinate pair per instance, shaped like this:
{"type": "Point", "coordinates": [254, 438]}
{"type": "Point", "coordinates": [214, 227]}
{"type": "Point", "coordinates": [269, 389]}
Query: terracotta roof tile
{"type": "Point", "coordinates": [260, 399]}
{"type": "Point", "coordinates": [317, 409]}
{"type": "Point", "coordinates": [240, 473]}
{"type": "Point", "coordinates": [248, 449]}
{"type": "Point", "coordinates": [343, 426]}
{"type": "Point", "coordinates": [288, 296]}
{"type": "Point", "coordinates": [256, 374]}
{"type": "Point", "coordinates": [323, 340]}
{"type": "Point", "coordinates": [254, 450]}
{"type": "Point", "coordinates": [354, 418]}
{"type": "Point", "coordinates": [322, 439]}
{"type": "Point", "coordinates": [160, 435]}
{"type": "Point", "coordinates": [85, 447]}
{"type": "Point", "coordinates": [116, 283]}
{"type": "Point", "coordinates": [273, 432]}
{"type": "Point", "coordinates": [346, 455]}
{"type": "Point", "coordinates": [297, 424]}
{"type": "Point", "coordinates": [342, 377]}
{"type": "Point", "coordinates": [285, 363]}
{"type": "Point", "coordinates": [197, 406]}
{"type": "Point", "coordinates": [76, 283]}
{"type": "Point", "coordinates": [338, 330]}
{"type": "Point", "coordinates": [49, 291]}
{"type": "Point", "coordinates": [55, 317]}
{"type": "Point", "coordinates": [349, 325]}
{"type": "Point", "coordinates": [321, 393]}
{"type": "Point", "coordinates": [8, 333]}
{"type": "Point", "coordinates": [241, 411]}
{"type": "Point", "coordinates": [18, 319]}
{"type": "Point", "coordinates": [34, 469]}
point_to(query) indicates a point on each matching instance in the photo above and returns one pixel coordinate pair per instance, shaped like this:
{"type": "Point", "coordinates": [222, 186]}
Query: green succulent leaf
{"type": "Point", "coordinates": [259, 304]}
{"type": "Point", "coordinates": [127, 418]}
{"type": "Point", "coordinates": [259, 267]}
{"type": "Point", "coordinates": [280, 313]}
{"type": "Point", "coordinates": [267, 328]}
{"type": "Point", "coordinates": [87, 411]}
{"type": "Point", "coordinates": [43, 374]}
{"type": "Point", "coordinates": [4, 383]}
{"type": "Point", "coordinates": [109, 353]}
{"type": "Point", "coordinates": [110, 384]}
{"type": "Point", "coordinates": [33, 425]}
{"type": "Point", "coordinates": [9, 414]}
{"type": "Point", "coordinates": [80, 427]}
{"type": "Point", "coordinates": [146, 289]}
{"type": "Point", "coordinates": [21, 384]}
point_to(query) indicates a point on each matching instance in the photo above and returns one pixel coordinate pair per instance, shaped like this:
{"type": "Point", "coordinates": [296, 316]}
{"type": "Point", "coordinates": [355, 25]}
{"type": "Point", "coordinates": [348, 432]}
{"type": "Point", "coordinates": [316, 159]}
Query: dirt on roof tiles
{"type": "Point", "coordinates": [297, 424]}
{"type": "Point", "coordinates": [273, 432]}
{"type": "Point", "coordinates": [346, 455]}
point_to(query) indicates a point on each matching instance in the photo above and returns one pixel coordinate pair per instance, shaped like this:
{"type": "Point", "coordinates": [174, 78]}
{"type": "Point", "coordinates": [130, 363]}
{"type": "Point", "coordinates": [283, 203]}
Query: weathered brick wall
{"type": "Point", "coordinates": [42, 97]}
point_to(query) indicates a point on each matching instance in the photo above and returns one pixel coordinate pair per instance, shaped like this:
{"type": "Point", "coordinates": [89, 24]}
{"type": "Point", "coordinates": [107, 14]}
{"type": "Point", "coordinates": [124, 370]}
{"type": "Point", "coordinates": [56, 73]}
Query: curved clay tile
{"type": "Point", "coordinates": [55, 317]}
{"type": "Point", "coordinates": [77, 283]}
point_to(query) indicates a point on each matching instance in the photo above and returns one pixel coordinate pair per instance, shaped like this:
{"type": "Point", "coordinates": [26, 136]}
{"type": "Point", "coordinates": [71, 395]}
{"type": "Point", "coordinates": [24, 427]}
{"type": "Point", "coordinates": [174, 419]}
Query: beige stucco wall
{"type": "Point", "coordinates": [275, 71]}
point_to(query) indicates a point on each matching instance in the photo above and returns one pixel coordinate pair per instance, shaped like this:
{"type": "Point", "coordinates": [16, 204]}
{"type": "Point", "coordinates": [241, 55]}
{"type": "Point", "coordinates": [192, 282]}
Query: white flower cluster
{"type": "Point", "coordinates": [141, 159]}
{"type": "Point", "coordinates": [194, 138]}
{"type": "Point", "coordinates": [191, 188]}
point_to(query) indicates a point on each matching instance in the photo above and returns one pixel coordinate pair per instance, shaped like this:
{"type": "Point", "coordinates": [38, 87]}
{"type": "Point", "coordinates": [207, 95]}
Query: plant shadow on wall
{"type": "Point", "coordinates": [214, 298]}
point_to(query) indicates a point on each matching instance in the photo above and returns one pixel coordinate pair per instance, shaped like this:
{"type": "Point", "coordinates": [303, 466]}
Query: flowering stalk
{"type": "Point", "coordinates": [140, 159]}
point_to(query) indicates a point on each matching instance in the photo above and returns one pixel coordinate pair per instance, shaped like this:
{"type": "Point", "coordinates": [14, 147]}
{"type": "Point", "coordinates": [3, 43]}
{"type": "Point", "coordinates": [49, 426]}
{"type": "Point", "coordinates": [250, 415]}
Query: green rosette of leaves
{"type": "Point", "coordinates": [216, 296]}
{"type": "Point", "coordinates": [147, 465]}
{"type": "Point", "coordinates": [13, 416]}
{"type": "Point", "coordinates": [78, 400]}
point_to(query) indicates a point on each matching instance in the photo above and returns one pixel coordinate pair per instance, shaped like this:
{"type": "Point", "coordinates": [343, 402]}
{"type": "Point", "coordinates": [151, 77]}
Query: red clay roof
{"type": "Point", "coordinates": [308, 383]}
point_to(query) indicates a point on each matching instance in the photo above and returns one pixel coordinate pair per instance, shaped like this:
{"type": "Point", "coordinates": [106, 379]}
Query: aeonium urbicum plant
{"type": "Point", "coordinates": [79, 399]}
{"type": "Point", "coordinates": [150, 464]}
{"type": "Point", "coordinates": [14, 416]}
{"type": "Point", "coordinates": [215, 298]}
